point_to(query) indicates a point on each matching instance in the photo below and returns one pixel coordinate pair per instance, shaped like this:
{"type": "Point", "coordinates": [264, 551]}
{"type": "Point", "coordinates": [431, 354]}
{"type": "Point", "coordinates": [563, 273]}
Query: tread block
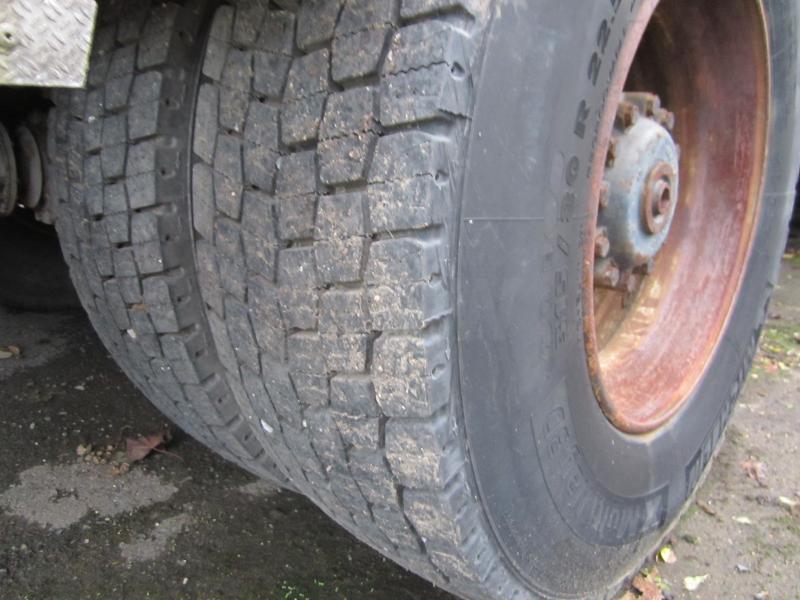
{"type": "Point", "coordinates": [233, 106]}
{"type": "Point", "coordinates": [354, 395]}
{"type": "Point", "coordinates": [276, 34]}
{"type": "Point", "coordinates": [348, 113]}
{"type": "Point", "coordinates": [306, 354]}
{"type": "Point", "coordinates": [297, 174]}
{"type": "Point", "coordinates": [284, 398]}
{"type": "Point", "coordinates": [340, 260]}
{"type": "Point", "coordinates": [240, 331]}
{"type": "Point", "coordinates": [312, 390]}
{"type": "Point", "coordinates": [269, 73]}
{"type": "Point", "coordinates": [396, 527]}
{"type": "Point", "coordinates": [424, 94]}
{"type": "Point", "coordinates": [203, 200]}
{"type": "Point", "coordinates": [328, 443]}
{"type": "Point", "coordinates": [409, 307]}
{"type": "Point", "coordinates": [300, 119]}
{"type": "Point", "coordinates": [308, 76]}
{"type": "Point", "coordinates": [345, 160]}
{"type": "Point", "coordinates": [238, 72]}
{"type": "Point", "coordinates": [407, 155]}
{"type": "Point", "coordinates": [340, 216]}
{"type": "Point", "coordinates": [359, 54]}
{"type": "Point", "coordinates": [401, 261]}
{"type": "Point", "coordinates": [440, 518]}
{"type": "Point", "coordinates": [296, 220]}
{"type": "Point", "coordinates": [345, 353]}
{"type": "Point", "coordinates": [262, 302]}
{"type": "Point", "coordinates": [425, 44]}
{"type": "Point", "coordinates": [316, 22]}
{"type": "Point", "coordinates": [416, 452]}
{"type": "Point", "coordinates": [404, 380]}
{"type": "Point", "coordinates": [373, 475]}
{"type": "Point", "coordinates": [343, 311]}
{"type": "Point", "coordinates": [359, 15]}
{"type": "Point", "coordinates": [362, 433]}
{"type": "Point", "coordinates": [409, 204]}
{"type": "Point", "coordinates": [228, 177]}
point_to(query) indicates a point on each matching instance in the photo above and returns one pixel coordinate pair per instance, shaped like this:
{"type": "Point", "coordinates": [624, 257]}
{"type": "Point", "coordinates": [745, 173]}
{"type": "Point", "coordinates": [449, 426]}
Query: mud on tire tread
{"type": "Point", "coordinates": [118, 172]}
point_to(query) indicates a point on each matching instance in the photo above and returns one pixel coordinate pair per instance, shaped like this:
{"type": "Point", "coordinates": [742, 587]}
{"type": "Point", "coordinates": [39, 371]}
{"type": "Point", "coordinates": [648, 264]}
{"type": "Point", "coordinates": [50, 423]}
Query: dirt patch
{"type": "Point", "coordinates": [58, 496]}
{"type": "Point", "coordinates": [153, 544]}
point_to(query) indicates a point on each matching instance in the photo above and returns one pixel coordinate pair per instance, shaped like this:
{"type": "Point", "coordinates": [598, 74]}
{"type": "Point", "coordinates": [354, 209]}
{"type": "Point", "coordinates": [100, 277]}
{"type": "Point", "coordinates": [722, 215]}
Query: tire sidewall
{"type": "Point", "coordinates": [553, 474]}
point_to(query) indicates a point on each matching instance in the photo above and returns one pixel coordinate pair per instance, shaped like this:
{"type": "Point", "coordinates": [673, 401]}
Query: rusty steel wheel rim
{"type": "Point", "coordinates": [689, 98]}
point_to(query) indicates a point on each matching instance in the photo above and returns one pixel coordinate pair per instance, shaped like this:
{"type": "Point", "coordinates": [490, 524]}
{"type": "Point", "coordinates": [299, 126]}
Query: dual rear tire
{"type": "Point", "coordinates": [341, 243]}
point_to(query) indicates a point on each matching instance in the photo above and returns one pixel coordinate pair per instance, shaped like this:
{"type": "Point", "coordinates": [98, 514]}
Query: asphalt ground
{"type": "Point", "coordinates": [186, 524]}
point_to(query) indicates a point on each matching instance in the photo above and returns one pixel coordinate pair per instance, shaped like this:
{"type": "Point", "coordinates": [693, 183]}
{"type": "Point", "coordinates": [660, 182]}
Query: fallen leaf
{"type": "Point", "coordinates": [788, 503]}
{"type": "Point", "coordinates": [667, 555]}
{"type": "Point", "coordinates": [706, 508]}
{"type": "Point", "coordinates": [83, 449]}
{"type": "Point", "coordinates": [743, 520]}
{"type": "Point", "coordinates": [755, 470]}
{"type": "Point", "coordinates": [138, 448]}
{"type": "Point", "coordinates": [692, 583]}
{"type": "Point", "coordinates": [10, 351]}
{"type": "Point", "coordinates": [648, 589]}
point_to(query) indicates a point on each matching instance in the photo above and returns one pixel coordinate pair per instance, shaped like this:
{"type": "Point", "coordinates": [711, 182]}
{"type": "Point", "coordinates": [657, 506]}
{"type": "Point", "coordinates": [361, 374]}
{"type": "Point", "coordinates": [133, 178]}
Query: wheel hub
{"type": "Point", "coordinates": [640, 191]}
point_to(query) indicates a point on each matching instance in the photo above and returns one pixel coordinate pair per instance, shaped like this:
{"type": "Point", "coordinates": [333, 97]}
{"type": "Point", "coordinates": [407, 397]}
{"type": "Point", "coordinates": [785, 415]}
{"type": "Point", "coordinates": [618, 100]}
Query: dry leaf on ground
{"type": "Point", "coordinates": [755, 470]}
{"type": "Point", "coordinates": [10, 351]}
{"type": "Point", "coordinates": [649, 590]}
{"type": "Point", "coordinates": [667, 555]}
{"type": "Point", "coordinates": [138, 448]}
{"type": "Point", "coordinates": [692, 583]}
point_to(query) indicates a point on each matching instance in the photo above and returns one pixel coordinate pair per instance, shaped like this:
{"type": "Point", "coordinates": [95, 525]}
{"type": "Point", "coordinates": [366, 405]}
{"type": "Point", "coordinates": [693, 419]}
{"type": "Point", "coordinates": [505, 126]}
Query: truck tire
{"type": "Point", "coordinates": [117, 153]}
{"type": "Point", "coordinates": [371, 244]}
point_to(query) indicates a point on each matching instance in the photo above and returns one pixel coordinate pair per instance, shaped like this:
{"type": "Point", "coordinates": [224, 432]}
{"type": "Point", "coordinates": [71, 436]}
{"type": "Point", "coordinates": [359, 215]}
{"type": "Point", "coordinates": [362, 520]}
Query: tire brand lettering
{"type": "Point", "coordinates": [592, 512]}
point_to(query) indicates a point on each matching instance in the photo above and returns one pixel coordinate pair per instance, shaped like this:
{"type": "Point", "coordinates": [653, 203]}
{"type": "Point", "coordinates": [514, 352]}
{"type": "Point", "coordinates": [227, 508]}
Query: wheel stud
{"type": "Point", "coordinates": [602, 245]}
{"type": "Point", "coordinates": [606, 274]}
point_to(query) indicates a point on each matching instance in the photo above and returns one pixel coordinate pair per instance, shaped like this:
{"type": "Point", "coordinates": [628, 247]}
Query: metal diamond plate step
{"type": "Point", "coordinates": [45, 42]}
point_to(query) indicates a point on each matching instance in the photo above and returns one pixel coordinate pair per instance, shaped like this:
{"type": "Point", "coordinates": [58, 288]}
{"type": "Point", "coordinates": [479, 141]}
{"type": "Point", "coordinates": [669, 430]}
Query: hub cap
{"type": "Point", "coordinates": [641, 185]}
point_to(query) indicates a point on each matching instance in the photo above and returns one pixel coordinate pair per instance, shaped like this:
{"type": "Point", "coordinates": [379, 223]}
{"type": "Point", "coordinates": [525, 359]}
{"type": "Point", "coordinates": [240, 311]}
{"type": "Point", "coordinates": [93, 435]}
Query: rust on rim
{"type": "Point", "coordinates": [696, 71]}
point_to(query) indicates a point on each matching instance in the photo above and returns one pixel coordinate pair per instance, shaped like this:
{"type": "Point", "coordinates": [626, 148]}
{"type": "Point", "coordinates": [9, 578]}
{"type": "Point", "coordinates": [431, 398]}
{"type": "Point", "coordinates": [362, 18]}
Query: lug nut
{"type": "Point", "coordinates": [648, 104]}
{"type": "Point", "coordinates": [606, 274]}
{"type": "Point", "coordinates": [627, 114]}
{"type": "Point", "coordinates": [647, 268]}
{"type": "Point", "coordinates": [665, 118]}
{"type": "Point", "coordinates": [602, 245]}
{"type": "Point", "coordinates": [628, 282]}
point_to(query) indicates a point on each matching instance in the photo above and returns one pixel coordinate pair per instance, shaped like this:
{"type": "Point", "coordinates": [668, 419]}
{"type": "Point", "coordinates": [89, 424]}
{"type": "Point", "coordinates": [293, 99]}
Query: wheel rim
{"type": "Point", "coordinates": [660, 280]}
